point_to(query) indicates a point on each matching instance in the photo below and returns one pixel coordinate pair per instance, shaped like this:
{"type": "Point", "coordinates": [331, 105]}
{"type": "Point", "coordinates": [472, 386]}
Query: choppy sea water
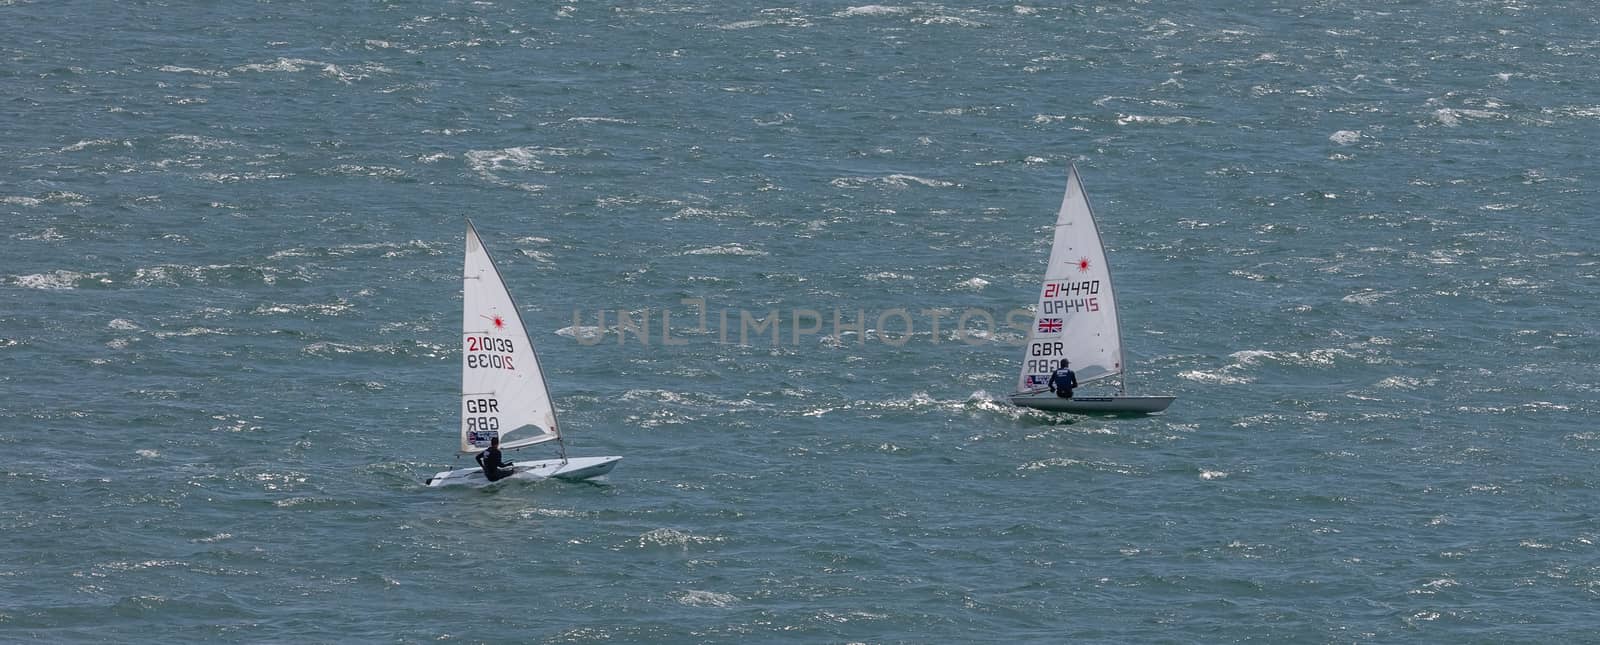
{"type": "Point", "coordinates": [1356, 239]}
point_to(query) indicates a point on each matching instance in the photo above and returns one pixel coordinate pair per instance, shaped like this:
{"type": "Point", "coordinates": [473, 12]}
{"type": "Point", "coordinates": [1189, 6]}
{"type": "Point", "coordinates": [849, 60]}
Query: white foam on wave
{"type": "Point", "coordinates": [1315, 357]}
{"type": "Point", "coordinates": [1452, 117]}
{"type": "Point", "coordinates": [884, 276]}
{"type": "Point", "coordinates": [19, 200]}
{"type": "Point", "coordinates": [66, 197]}
{"type": "Point", "coordinates": [174, 69]}
{"type": "Point", "coordinates": [515, 157]}
{"type": "Point", "coordinates": [1433, 586]}
{"type": "Point", "coordinates": [895, 180]}
{"type": "Point", "coordinates": [326, 349]}
{"type": "Point", "coordinates": [698, 598]}
{"type": "Point", "coordinates": [1531, 406]}
{"type": "Point", "coordinates": [236, 177]}
{"type": "Point", "coordinates": [421, 87]}
{"type": "Point", "coordinates": [871, 10]}
{"type": "Point", "coordinates": [600, 119]}
{"type": "Point", "coordinates": [1574, 111]}
{"type": "Point", "coordinates": [1068, 462]}
{"type": "Point", "coordinates": [974, 284]}
{"type": "Point", "coordinates": [286, 479]}
{"type": "Point", "coordinates": [673, 537]}
{"type": "Point", "coordinates": [489, 164]}
{"type": "Point", "coordinates": [544, 257]}
{"type": "Point", "coordinates": [1245, 362]}
{"type": "Point", "coordinates": [147, 564]}
{"type": "Point", "coordinates": [218, 537]}
{"type": "Point", "coordinates": [953, 21]}
{"type": "Point", "coordinates": [358, 170]}
{"type": "Point", "coordinates": [300, 501]}
{"type": "Point", "coordinates": [96, 143]}
{"type": "Point", "coordinates": [172, 275]}
{"type": "Point", "coordinates": [390, 250]}
{"type": "Point", "coordinates": [530, 513]}
{"type": "Point", "coordinates": [1345, 137]}
{"type": "Point", "coordinates": [58, 280]}
{"type": "Point", "coordinates": [918, 400]}
{"type": "Point", "coordinates": [326, 309]}
{"type": "Point", "coordinates": [781, 118]}
{"type": "Point", "coordinates": [696, 400]}
{"type": "Point", "coordinates": [983, 401]}
{"type": "Point", "coordinates": [689, 212]}
{"type": "Point", "coordinates": [582, 332]}
{"type": "Point", "coordinates": [1001, 337]}
{"type": "Point", "coordinates": [793, 21]}
{"type": "Point", "coordinates": [618, 201]}
{"type": "Point", "coordinates": [1143, 119]}
{"type": "Point", "coordinates": [727, 249]}
{"type": "Point", "coordinates": [201, 142]}
{"type": "Point", "coordinates": [191, 331]}
{"type": "Point", "coordinates": [341, 73]}
{"type": "Point", "coordinates": [1406, 382]}
{"type": "Point", "coordinates": [1368, 297]}
{"type": "Point", "coordinates": [1215, 378]}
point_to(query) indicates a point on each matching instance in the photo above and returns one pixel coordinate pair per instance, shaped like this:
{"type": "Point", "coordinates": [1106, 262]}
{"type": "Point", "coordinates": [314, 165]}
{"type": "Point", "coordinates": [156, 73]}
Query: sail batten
{"type": "Point", "coordinates": [1076, 314]}
{"type": "Point", "coordinates": [503, 389]}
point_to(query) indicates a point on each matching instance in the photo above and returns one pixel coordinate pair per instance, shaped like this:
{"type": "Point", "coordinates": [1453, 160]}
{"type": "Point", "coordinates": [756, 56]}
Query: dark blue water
{"type": "Point", "coordinates": [1357, 240]}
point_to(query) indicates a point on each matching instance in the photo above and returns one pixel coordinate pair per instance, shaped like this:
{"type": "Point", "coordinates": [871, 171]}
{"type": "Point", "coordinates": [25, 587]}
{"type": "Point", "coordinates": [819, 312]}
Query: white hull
{"type": "Point", "coordinates": [570, 469]}
{"type": "Point", "coordinates": [1092, 404]}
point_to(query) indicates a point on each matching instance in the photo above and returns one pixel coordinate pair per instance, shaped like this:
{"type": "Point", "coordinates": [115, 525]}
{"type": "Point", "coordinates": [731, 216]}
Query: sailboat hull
{"type": "Point", "coordinates": [570, 469]}
{"type": "Point", "coordinates": [1093, 404]}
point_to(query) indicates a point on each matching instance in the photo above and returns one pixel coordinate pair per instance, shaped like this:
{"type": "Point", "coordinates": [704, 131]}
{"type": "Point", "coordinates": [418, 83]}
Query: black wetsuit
{"type": "Point", "coordinates": [493, 468]}
{"type": "Point", "coordinates": [1063, 381]}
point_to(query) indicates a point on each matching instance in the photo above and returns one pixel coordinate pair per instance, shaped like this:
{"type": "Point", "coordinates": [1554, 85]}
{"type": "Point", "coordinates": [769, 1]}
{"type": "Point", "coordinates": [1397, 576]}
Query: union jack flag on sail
{"type": "Point", "coordinates": [1049, 325]}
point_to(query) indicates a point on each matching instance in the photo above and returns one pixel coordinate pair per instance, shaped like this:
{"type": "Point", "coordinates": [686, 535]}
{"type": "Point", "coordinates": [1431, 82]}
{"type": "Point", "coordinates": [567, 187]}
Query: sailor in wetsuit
{"type": "Point", "coordinates": [1063, 381]}
{"type": "Point", "coordinates": [489, 459]}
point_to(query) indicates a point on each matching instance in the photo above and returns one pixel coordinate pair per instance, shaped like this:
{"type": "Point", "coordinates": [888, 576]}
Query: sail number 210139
{"type": "Point", "coordinates": [490, 352]}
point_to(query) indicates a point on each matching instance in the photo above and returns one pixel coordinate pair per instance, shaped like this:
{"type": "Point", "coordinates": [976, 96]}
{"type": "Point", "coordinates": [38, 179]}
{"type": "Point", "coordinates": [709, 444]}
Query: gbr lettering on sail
{"type": "Point", "coordinates": [1058, 302]}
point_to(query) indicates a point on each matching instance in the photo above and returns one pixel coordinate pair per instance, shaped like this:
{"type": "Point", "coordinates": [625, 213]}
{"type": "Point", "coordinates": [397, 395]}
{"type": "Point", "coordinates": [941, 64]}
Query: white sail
{"type": "Point", "coordinates": [1076, 318]}
{"type": "Point", "coordinates": [503, 391]}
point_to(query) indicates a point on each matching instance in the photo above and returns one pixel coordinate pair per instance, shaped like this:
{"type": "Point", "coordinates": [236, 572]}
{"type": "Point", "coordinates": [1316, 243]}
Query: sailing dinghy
{"type": "Point", "coordinates": [503, 391]}
{"type": "Point", "coordinates": [1076, 319]}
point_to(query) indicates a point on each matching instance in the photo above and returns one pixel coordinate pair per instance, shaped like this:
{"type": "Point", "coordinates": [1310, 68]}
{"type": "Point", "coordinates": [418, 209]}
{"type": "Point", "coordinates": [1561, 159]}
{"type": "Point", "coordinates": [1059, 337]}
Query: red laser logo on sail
{"type": "Point", "coordinates": [499, 323]}
{"type": "Point", "coordinates": [1083, 265]}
